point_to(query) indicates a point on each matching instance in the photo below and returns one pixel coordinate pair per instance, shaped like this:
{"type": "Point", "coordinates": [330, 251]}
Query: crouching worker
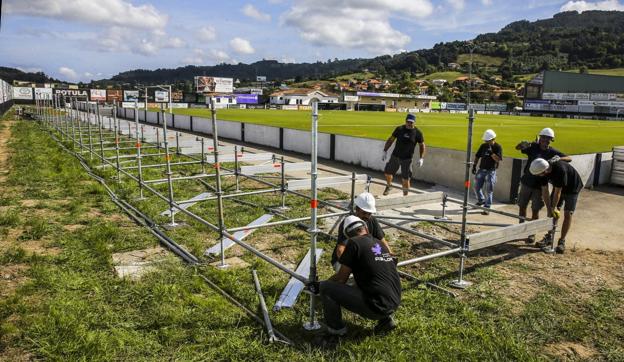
{"type": "Point", "coordinates": [378, 292]}
{"type": "Point", "coordinates": [364, 209]}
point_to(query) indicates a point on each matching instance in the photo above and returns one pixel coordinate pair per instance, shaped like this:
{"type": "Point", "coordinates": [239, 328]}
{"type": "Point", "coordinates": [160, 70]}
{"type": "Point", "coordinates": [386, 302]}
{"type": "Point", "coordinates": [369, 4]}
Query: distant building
{"type": "Point", "coordinates": [301, 97]}
{"type": "Point", "coordinates": [438, 82]}
{"type": "Point", "coordinates": [564, 92]}
{"type": "Point", "coordinates": [393, 102]}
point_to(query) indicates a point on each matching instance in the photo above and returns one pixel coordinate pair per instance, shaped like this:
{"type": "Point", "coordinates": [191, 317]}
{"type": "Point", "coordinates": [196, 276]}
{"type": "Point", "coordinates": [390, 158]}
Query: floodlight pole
{"type": "Point", "coordinates": [461, 283]}
{"type": "Point", "coordinates": [313, 324]}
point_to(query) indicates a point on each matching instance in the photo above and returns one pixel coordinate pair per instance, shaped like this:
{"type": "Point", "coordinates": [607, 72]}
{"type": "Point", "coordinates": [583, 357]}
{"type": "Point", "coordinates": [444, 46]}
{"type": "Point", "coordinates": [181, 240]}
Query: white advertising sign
{"type": "Point", "coordinates": [261, 78]}
{"type": "Point", "coordinates": [131, 105]}
{"type": "Point", "coordinates": [351, 98]}
{"type": "Point", "coordinates": [98, 94]}
{"type": "Point", "coordinates": [214, 85]}
{"type": "Point", "coordinates": [23, 93]}
{"type": "Point", "coordinates": [43, 93]}
{"type": "Point", "coordinates": [130, 95]}
{"type": "Point", "coordinates": [179, 105]}
{"type": "Point", "coordinates": [161, 96]}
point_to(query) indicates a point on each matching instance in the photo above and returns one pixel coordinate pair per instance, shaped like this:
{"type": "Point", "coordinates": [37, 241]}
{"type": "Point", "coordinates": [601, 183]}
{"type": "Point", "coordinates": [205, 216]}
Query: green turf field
{"type": "Point", "coordinates": [441, 129]}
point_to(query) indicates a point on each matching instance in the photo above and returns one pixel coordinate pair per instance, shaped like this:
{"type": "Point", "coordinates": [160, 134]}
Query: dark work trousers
{"type": "Point", "coordinates": [335, 296]}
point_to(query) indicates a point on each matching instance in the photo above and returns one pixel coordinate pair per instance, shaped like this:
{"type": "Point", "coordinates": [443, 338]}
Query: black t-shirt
{"type": "Point", "coordinates": [485, 152]}
{"type": "Point", "coordinates": [373, 228]}
{"type": "Point", "coordinates": [533, 152]}
{"type": "Point", "coordinates": [565, 176]}
{"type": "Point", "coordinates": [406, 140]}
{"type": "Point", "coordinates": [374, 272]}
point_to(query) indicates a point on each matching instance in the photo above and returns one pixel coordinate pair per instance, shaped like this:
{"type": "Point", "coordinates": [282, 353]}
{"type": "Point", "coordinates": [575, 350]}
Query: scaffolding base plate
{"type": "Point", "coordinates": [311, 326]}
{"type": "Point", "coordinates": [460, 284]}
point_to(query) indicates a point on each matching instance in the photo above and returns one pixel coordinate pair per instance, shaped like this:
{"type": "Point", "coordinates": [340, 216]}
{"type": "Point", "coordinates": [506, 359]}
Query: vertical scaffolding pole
{"type": "Point", "coordinates": [88, 115]}
{"type": "Point", "coordinates": [138, 149]}
{"type": "Point", "coordinates": [100, 126]}
{"type": "Point", "coordinates": [313, 324]}
{"type": "Point", "coordinates": [76, 115]}
{"type": "Point", "coordinates": [236, 168]}
{"type": "Point", "coordinates": [217, 165]}
{"type": "Point", "coordinates": [172, 224]}
{"type": "Point", "coordinates": [117, 132]}
{"type": "Point", "coordinates": [460, 283]}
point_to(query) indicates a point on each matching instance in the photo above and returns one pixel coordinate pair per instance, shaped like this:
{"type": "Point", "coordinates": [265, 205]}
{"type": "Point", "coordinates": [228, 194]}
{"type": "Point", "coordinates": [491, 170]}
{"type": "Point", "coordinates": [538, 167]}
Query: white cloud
{"type": "Point", "coordinates": [109, 12]}
{"type": "Point", "coordinates": [581, 6]}
{"type": "Point", "coordinates": [68, 73]}
{"type": "Point", "coordinates": [206, 33]}
{"type": "Point", "coordinates": [241, 46]}
{"type": "Point", "coordinates": [120, 40]}
{"type": "Point", "coordinates": [486, 2]}
{"type": "Point", "coordinates": [456, 4]}
{"type": "Point", "coordinates": [355, 23]}
{"type": "Point", "coordinates": [30, 69]}
{"type": "Point", "coordinates": [200, 57]}
{"type": "Point", "coordinates": [251, 11]}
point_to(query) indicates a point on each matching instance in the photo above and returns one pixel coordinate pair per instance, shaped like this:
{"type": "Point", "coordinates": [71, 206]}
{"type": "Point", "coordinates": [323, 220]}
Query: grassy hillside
{"type": "Point", "coordinates": [479, 58]}
{"type": "Point", "coordinates": [441, 129]}
{"type": "Point", "coordinates": [450, 76]}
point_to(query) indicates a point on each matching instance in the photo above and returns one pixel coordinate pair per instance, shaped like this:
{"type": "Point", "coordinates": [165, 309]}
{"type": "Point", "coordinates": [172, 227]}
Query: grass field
{"type": "Point", "coordinates": [449, 76]}
{"type": "Point", "coordinates": [60, 299]}
{"type": "Point", "coordinates": [442, 129]}
{"type": "Point", "coordinates": [478, 58]}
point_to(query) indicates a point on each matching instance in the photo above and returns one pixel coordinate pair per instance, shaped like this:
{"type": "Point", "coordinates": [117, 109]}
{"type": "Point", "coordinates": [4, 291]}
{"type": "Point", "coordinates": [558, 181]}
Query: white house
{"type": "Point", "coordinates": [301, 96]}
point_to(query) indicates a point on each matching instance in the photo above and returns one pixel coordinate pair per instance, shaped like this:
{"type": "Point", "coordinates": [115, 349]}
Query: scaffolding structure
{"type": "Point", "coordinates": [124, 146]}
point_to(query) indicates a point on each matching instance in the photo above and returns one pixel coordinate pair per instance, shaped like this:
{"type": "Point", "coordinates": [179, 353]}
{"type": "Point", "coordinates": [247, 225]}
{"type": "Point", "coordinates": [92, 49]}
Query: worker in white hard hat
{"type": "Point", "coordinates": [530, 187]}
{"type": "Point", "coordinates": [566, 187]}
{"type": "Point", "coordinates": [377, 294]}
{"type": "Point", "coordinates": [489, 155]}
{"type": "Point", "coordinates": [364, 209]}
{"type": "Point", "coordinates": [406, 136]}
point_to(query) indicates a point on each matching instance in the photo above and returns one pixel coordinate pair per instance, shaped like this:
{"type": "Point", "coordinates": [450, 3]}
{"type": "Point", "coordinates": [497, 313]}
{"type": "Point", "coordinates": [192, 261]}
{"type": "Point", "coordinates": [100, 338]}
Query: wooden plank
{"type": "Point", "coordinates": [502, 235]}
{"type": "Point", "coordinates": [409, 200]}
{"type": "Point", "coordinates": [291, 292]}
{"type": "Point", "coordinates": [240, 235]}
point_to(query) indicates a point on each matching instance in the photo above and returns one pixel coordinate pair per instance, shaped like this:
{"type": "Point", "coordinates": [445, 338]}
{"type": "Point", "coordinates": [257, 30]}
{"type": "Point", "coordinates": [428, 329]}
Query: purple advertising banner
{"type": "Point", "coordinates": [246, 98]}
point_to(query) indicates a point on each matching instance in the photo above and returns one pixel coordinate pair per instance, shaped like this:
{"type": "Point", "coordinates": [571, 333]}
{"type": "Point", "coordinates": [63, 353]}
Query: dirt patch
{"type": "Point", "coordinates": [73, 227]}
{"type": "Point", "coordinates": [285, 248]}
{"type": "Point", "coordinates": [29, 203]}
{"type": "Point", "coordinates": [15, 355]}
{"type": "Point", "coordinates": [571, 351]}
{"type": "Point", "coordinates": [38, 247]}
{"type": "Point", "coordinates": [233, 262]}
{"type": "Point", "coordinates": [134, 264]}
{"type": "Point", "coordinates": [11, 277]}
{"type": "Point", "coordinates": [5, 135]}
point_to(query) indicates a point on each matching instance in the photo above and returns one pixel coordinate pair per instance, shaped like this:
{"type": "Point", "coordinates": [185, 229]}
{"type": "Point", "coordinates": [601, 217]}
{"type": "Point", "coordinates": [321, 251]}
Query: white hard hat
{"type": "Point", "coordinates": [548, 132]}
{"type": "Point", "coordinates": [351, 222]}
{"type": "Point", "coordinates": [366, 202]}
{"type": "Point", "coordinates": [538, 166]}
{"type": "Point", "coordinates": [489, 135]}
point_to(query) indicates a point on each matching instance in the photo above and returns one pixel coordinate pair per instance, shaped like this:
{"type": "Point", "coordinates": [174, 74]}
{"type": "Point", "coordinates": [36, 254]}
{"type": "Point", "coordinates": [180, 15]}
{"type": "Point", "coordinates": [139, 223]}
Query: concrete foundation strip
{"type": "Point", "coordinates": [240, 235]}
{"type": "Point", "coordinates": [408, 201]}
{"type": "Point", "coordinates": [291, 292]}
{"type": "Point", "coordinates": [187, 203]}
{"type": "Point", "coordinates": [274, 168]}
{"type": "Point", "coordinates": [242, 157]}
{"type": "Point", "coordinates": [325, 182]}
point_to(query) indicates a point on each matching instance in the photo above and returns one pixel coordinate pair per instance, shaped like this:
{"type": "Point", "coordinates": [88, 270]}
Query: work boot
{"type": "Point", "coordinates": [560, 246]}
{"type": "Point", "coordinates": [385, 325]}
{"type": "Point", "coordinates": [386, 191]}
{"type": "Point", "coordinates": [405, 192]}
{"type": "Point", "coordinates": [485, 212]}
{"type": "Point", "coordinates": [530, 240]}
{"type": "Point", "coordinates": [546, 240]}
{"type": "Point", "coordinates": [480, 203]}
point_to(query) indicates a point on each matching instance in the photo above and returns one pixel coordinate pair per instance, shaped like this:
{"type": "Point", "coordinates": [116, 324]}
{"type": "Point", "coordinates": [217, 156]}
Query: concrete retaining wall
{"type": "Point", "coordinates": [202, 125]}
{"type": "Point", "coordinates": [228, 129]}
{"type": "Point", "coordinates": [363, 152]}
{"type": "Point", "coordinates": [262, 135]}
{"type": "Point", "coordinates": [152, 117]}
{"type": "Point", "coordinates": [301, 142]}
{"type": "Point", "coordinates": [182, 122]}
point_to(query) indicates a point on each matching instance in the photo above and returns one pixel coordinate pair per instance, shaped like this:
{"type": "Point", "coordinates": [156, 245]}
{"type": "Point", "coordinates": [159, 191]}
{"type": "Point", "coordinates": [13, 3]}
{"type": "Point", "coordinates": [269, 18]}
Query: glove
{"type": "Point", "coordinates": [524, 144]}
{"type": "Point", "coordinates": [395, 260]}
{"type": "Point", "coordinates": [556, 213]}
{"type": "Point", "coordinates": [420, 162]}
{"type": "Point", "coordinates": [384, 156]}
{"type": "Point", "coordinates": [314, 288]}
{"type": "Point", "coordinates": [474, 169]}
{"type": "Point", "coordinates": [554, 159]}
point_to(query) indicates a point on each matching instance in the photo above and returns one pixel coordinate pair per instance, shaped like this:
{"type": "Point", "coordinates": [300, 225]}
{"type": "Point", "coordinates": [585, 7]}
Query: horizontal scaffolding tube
{"type": "Point", "coordinates": [428, 257]}
{"type": "Point", "coordinates": [285, 222]}
{"type": "Point", "coordinates": [440, 220]}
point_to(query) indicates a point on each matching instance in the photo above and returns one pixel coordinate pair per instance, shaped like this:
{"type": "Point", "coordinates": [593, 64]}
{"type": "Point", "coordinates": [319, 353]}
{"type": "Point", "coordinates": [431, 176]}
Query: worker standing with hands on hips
{"type": "Point", "coordinates": [364, 209]}
{"type": "Point", "coordinates": [530, 187]}
{"type": "Point", "coordinates": [566, 187]}
{"type": "Point", "coordinates": [490, 154]}
{"type": "Point", "coordinates": [406, 136]}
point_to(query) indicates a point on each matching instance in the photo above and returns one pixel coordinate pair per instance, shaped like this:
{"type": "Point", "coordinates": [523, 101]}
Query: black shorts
{"type": "Point", "coordinates": [393, 166]}
{"type": "Point", "coordinates": [568, 201]}
{"type": "Point", "coordinates": [529, 194]}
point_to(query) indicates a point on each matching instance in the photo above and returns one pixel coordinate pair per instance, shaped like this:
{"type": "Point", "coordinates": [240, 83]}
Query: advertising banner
{"type": "Point", "coordinates": [82, 94]}
{"type": "Point", "coordinates": [246, 98]}
{"type": "Point", "coordinates": [351, 98]}
{"type": "Point", "coordinates": [25, 93]}
{"type": "Point", "coordinates": [161, 96]}
{"type": "Point", "coordinates": [261, 78]}
{"type": "Point", "coordinates": [179, 105]}
{"type": "Point", "coordinates": [456, 106]}
{"type": "Point", "coordinates": [98, 95]}
{"type": "Point", "coordinates": [114, 95]}
{"type": "Point", "coordinates": [256, 91]}
{"type": "Point", "coordinates": [43, 93]}
{"type": "Point", "coordinates": [214, 85]}
{"type": "Point", "coordinates": [131, 105]}
{"type": "Point", "coordinates": [130, 95]}
{"type": "Point", "coordinates": [177, 96]}
{"type": "Point", "coordinates": [436, 105]}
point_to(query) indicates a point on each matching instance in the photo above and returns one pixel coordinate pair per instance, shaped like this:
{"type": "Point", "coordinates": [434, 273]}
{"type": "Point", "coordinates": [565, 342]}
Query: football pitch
{"type": "Point", "coordinates": [443, 130]}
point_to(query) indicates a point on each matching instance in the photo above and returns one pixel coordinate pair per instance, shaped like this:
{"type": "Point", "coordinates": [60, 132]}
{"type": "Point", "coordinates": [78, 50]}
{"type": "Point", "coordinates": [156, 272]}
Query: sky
{"type": "Point", "coordinates": [80, 40]}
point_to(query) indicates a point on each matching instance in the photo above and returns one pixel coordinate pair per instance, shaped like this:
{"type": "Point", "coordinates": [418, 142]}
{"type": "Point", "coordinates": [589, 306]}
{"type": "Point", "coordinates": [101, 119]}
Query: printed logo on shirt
{"type": "Point", "coordinates": [376, 249]}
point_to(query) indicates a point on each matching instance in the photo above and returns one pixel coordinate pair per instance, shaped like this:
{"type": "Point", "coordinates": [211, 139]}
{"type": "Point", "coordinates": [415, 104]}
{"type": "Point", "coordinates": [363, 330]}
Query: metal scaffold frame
{"type": "Point", "coordinates": [84, 126]}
